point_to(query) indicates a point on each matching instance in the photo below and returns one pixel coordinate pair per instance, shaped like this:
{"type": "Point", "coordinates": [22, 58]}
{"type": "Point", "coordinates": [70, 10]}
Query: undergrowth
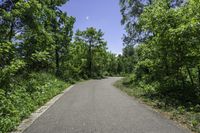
{"type": "Point", "coordinates": [25, 96]}
{"type": "Point", "coordinates": [187, 113]}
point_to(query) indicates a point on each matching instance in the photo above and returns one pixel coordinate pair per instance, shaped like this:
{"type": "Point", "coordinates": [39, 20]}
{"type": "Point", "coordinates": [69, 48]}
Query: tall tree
{"type": "Point", "coordinates": [95, 43]}
{"type": "Point", "coordinates": [169, 56]}
{"type": "Point", "coordinates": [131, 11]}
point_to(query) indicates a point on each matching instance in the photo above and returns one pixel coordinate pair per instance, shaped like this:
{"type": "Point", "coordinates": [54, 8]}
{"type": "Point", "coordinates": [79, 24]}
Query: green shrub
{"type": "Point", "coordinates": [9, 115]}
{"type": "Point", "coordinates": [25, 97]}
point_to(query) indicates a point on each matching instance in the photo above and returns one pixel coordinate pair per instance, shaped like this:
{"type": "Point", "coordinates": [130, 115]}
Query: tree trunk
{"type": "Point", "coordinates": [90, 59]}
{"type": "Point", "coordinates": [11, 32]}
{"type": "Point", "coordinates": [198, 76]}
{"type": "Point", "coordinates": [57, 61]}
{"type": "Point", "coordinates": [182, 80]}
{"type": "Point", "coordinates": [190, 76]}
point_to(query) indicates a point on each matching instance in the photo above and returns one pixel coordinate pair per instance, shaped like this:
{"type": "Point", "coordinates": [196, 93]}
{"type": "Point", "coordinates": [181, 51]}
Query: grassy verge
{"type": "Point", "coordinates": [188, 116]}
{"type": "Point", "coordinates": [25, 96]}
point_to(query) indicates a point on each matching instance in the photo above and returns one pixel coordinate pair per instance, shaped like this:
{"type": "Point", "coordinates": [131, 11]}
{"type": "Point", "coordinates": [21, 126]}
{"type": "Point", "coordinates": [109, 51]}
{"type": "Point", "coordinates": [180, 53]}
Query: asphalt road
{"type": "Point", "coordinates": [96, 106]}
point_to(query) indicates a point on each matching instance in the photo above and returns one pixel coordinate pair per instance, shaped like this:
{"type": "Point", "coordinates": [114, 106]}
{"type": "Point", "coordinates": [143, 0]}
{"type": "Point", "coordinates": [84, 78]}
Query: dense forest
{"type": "Point", "coordinates": [162, 52]}
{"type": "Point", "coordinates": [40, 55]}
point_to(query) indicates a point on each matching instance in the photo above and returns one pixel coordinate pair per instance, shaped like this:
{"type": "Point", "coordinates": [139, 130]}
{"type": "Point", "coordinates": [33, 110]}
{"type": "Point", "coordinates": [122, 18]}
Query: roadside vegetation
{"type": "Point", "coordinates": [188, 115]}
{"type": "Point", "coordinates": [40, 55]}
{"type": "Point", "coordinates": [25, 96]}
{"type": "Point", "coordinates": [39, 58]}
{"type": "Point", "coordinates": [162, 53]}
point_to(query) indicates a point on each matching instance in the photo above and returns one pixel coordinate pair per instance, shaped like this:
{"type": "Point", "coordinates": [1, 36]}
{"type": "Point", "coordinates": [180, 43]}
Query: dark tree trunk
{"type": "Point", "coordinates": [90, 59]}
{"type": "Point", "coordinates": [198, 76]}
{"type": "Point", "coordinates": [11, 32]}
{"type": "Point", "coordinates": [190, 76]}
{"type": "Point", "coordinates": [57, 61]}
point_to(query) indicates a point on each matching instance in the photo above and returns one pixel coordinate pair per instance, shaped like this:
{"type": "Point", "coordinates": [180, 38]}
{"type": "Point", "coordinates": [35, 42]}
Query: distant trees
{"type": "Point", "coordinates": [95, 47]}
{"type": "Point", "coordinates": [88, 56]}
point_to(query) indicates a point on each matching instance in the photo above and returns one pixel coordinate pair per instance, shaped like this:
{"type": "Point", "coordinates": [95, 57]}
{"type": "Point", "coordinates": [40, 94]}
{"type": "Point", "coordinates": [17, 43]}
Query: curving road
{"type": "Point", "coordinates": [96, 106]}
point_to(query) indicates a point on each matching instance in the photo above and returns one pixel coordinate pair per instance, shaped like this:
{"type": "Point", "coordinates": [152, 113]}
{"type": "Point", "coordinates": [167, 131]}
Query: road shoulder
{"type": "Point", "coordinates": [27, 122]}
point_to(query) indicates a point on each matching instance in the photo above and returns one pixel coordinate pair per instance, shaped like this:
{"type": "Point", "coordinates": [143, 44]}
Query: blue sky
{"type": "Point", "coordinates": [101, 14]}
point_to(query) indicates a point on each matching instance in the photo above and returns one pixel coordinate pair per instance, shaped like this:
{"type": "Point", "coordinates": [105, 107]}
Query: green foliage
{"type": "Point", "coordinates": [131, 11]}
{"type": "Point", "coordinates": [188, 115]}
{"type": "Point", "coordinates": [95, 47]}
{"type": "Point", "coordinates": [35, 31]}
{"type": "Point", "coordinates": [88, 57]}
{"type": "Point", "coordinates": [9, 71]}
{"type": "Point", "coordinates": [164, 37]}
{"type": "Point", "coordinates": [169, 55]}
{"type": "Point", "coordinates": [8, 113]}
{"type": "Point", "coordinates": [25, 97]}
{"type": "Point", "coordinates": [36, 37]}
